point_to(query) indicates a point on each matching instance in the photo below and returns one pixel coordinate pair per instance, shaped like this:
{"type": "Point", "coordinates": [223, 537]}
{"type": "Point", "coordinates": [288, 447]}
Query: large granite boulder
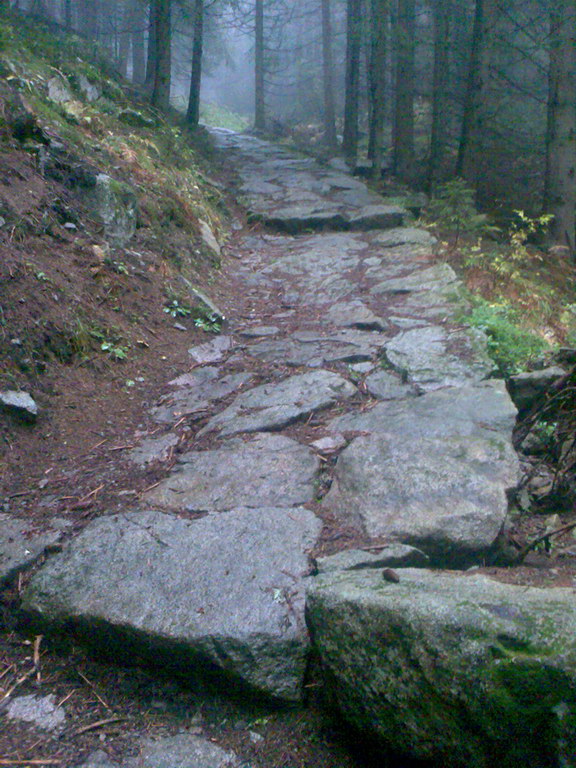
{"type": "Point", "coordinates": [432, 472]}
{"type": "Point", "coordinates": [222, 594]}
{"type": "Point", "coordinates": [458, 669]}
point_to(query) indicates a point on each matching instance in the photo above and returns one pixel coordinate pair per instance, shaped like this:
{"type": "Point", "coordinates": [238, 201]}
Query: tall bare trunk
{"type": "Point", "coordinates": [67, 15]}
{"type": "Point", "coordinates": [152, 47]}
{"type": "Point", "coordinates": [442, 12]}
{"type": "Point", "coordinates": [137, 26]}
{"type": "Point", "coordinates": [328, 76]}
{"type": "Point", "coordinates": [193, 113]}
{"type": "Point", "coordinates": [352, 87]}
{"type": "Point", "coordinates": [404, 110]}
{"type": "Point", "coordinates": [377, 82]}
{"type": "Point", "coordinates": [123, 37]}
{"type": "Point", "coordinates": [560, 187]}
{"type": "Point", "coordinates": [259, 68]}
{"type": "Point", "coordinates": [162, 72]}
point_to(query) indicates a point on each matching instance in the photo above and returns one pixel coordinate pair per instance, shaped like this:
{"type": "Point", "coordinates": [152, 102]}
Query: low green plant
{"type": "Point", "coordinates": [511, 346]}
{"type": "Point", "coordinates": [115, 350]}
{"type": "Point", "coordinates": [176, 309]}
{"type": "Point", "coordinates": [211, 323]}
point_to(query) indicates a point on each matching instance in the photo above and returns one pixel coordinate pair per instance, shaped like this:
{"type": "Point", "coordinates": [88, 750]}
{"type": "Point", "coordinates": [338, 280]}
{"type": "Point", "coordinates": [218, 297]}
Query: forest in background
{"type": "Point", "coordinates": [431, 90]}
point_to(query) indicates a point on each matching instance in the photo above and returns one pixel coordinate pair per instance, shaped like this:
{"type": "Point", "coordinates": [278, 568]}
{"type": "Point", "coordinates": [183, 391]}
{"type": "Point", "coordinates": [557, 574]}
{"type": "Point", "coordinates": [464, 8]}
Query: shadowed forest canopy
{"type": "Point", "coordinates": [429, 90]}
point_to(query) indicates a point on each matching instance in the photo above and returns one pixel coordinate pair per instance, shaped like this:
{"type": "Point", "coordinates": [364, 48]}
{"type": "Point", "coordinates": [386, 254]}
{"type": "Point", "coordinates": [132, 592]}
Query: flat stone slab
{"type": "Point", "coordinates": [384, 385]}
{"type": "Point", "coordinates": [20, 545]}
{"type": "Point", "coordinates": [181, 751]}
{"type": "Point", "coordinates": [212, 351]}
{"type": "Point", "coordinates": [221, 594]}
{"type": "Point", "coordinates": [456, 669]}
{"type": "Point", "coordinates": [41, 711]}
{"type": "Point", "coordinates": [391, 556]}
{"type": "Point", "coordinates": [153, 449]}
{"type": "Point", "coordinates": [433, 357]}
{"type": "Point", "coordinates": [280, 403]}
{"type": "Point", "coordinates": [267, 471]}
{"type": "Point", "coordinates": [197, 394]}
{"type": "Point", "coordinates": [431, 472]}
{"type": "Point", "coordinates": [355, 314]}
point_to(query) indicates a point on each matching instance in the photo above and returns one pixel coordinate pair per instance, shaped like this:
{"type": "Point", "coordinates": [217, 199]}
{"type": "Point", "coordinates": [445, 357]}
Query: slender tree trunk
{"type": "Point", "coordinates": [259, 68]}
{"type": "Point", "coordinates": [67, 15]}
{"type": "Point", "coordinates": [442, 12]}
{"type": "Point", "coordinates": [162, 73]}
{"type": "Point", "coordinates": [328, 77]}
{"type": "Point", "coordinates": [377, 83]}
{"type": "Point", "coordinates": [137, 25]}
{"type": "Point", "coordinates": [193, 113]}
{"type": "Point", "coordinates": [124, 37]}
{"type": "Point", "coordinates": [560, 186]}
{"type": "Point", "coordinates": [404, 110]}
{"type": "Point", "coordinates": [152, 48]}
{"type": "Point", "coordinates": [472, 151]}
{"type": "Point", "coordinates": [352, 87]}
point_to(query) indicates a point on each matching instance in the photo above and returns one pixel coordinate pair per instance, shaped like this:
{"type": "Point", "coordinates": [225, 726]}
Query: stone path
{"type": "Point", "coordinates": [360, 343]}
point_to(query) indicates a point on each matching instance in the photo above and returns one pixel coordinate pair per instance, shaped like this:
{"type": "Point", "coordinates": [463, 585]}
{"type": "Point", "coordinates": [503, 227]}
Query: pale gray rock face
{"type": "Point", "coordinates": [20, 545]}
{"type": "Point", "coordinates": [212, 351]}
{"type": "Point", "coordinates": [433, 471]}
{"type": "Point", "coordinates": [19, 404]}
{"type": "Point", "coordinates": [58, 90]}
{"type": "Point", "coordinates": [348, 345]}
{"type": "Point", "coordinates": [267, 471]}
{"type": "Point", "coordinates": [42, 711]}
{"type": "Point", "coordinates": [462, 670]}
{"type": "Point", "coordinates": [209, 238]}
{"type": "Point", "coordinates": [280, 403]}
{"type": "Point", "coordinates": [99, 759]}
{"type": "Point", "coordinates": [405, 236]}
{"type": "Point", "coordinates": [182, 751]}
{"type": "Point", "coordinates": [221, 594]}
{"type": "Point", "coordinates": [391, 556]}
{"type": "Point", "coordinates": [153, 449]}
{"type": "Point", "coordinates": [115, 204]}
{"type": "Point", "coordinates": [435, 357]}
{"type": "Point", "coordinates": [385, 386]}
{"type": "Point", "coordinates": [197, 393]}
{"type": "Point", "coordinates": [438, 277]}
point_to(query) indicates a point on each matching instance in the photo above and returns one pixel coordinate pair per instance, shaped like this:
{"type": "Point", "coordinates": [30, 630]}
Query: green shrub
{"type": "Point", "coordinates": [510, 346]}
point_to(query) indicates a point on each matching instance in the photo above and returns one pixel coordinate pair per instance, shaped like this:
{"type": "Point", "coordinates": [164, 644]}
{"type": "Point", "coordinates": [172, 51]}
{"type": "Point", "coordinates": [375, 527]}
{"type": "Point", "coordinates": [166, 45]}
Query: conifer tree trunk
{"type": "Point", "coordinates": [163, 61]}
{"type": "Point", "coordinates": [151, 53]}
{"type": "Point", "coordinates": [472, 148]}
{"type": "Point", "coordinates": [560, 186]}
{"type": "Point", "coordinates": [193, 113]}
{"type": "Point", "coordinates": [328, 76]}
{"type": "Point", "coordinates": [137, 25]}
{"type": "Point", "coordinates": [259, 69]}
{"type": "Point", "coordinates": [68, 15]}
{"type": "Point", "coordinates": [123, 38]}
{"type": "Point", "coordinates": [442, 11]}
{"type": "Point", "coordinates": [404, 108]}
{"type": "Point", "coordinates": [352, 86]}
{"type": "Point", "coordinates": [377, 83]}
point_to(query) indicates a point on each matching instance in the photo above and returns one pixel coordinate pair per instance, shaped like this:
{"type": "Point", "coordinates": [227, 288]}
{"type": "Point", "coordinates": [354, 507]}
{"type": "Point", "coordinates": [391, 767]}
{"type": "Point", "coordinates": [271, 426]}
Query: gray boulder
{"type": "Point", "coordinates": [42, 711]}
{"type": "Point", "coordinates": [526, 388]}
{"type": "Point", "coordinates": [431, 472]}
{"type": "Point", "coordinates": [219, 595]}
{"type": "Point", "coordinates": [114, 203]}
{"type": "Point", "coordinates": [462, 670]}
{"type": "Point", "coordinates": [390, 556]}
{"type": "Point", "coordinates": [182, 751]}
{"type": "Point", "coordinates": [19, 404]}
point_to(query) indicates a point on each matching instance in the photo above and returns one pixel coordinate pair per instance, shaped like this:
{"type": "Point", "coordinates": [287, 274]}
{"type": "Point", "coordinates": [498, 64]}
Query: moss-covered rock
{"type": "Point", "coordinates": [115, 205]}
{"type": "Point", "coordinates": [462, 670]}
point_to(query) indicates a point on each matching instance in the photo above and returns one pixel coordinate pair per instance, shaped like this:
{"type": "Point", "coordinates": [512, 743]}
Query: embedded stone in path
{"type": "Point", "coordinates": [20, 545]}
{"type": "Point", "coordinates": [266, 471]}
{"type": "Point", "coordinates": [280, 403]}
{"type": "Point", "coordinates": [390, 556]}
{"type": "Point", "coordinates": [384, 385]}
{"type": "Point", "coordinates": [221, 594]}
{"type": "Point", "coordinates": [461, 670]}
{"type": "Point", "coordinates": [212, 351]}
{"type": "Point", "coordinates": [346, 345]}
{"type": "Point", "coordinates": [42, 711]}
{"type": "Point", "coordinates": [434, 472]}
{"type": "Point", "coordinates": [199, 390]}
{"type": "Point", "coordinates": [435, 357]}
{"type": "Point", "coordinates": [439, 277]}
{"type": "Point", "coordinates": [181, 751]}
{"type": "Point", "coordinates": [355, 314]}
